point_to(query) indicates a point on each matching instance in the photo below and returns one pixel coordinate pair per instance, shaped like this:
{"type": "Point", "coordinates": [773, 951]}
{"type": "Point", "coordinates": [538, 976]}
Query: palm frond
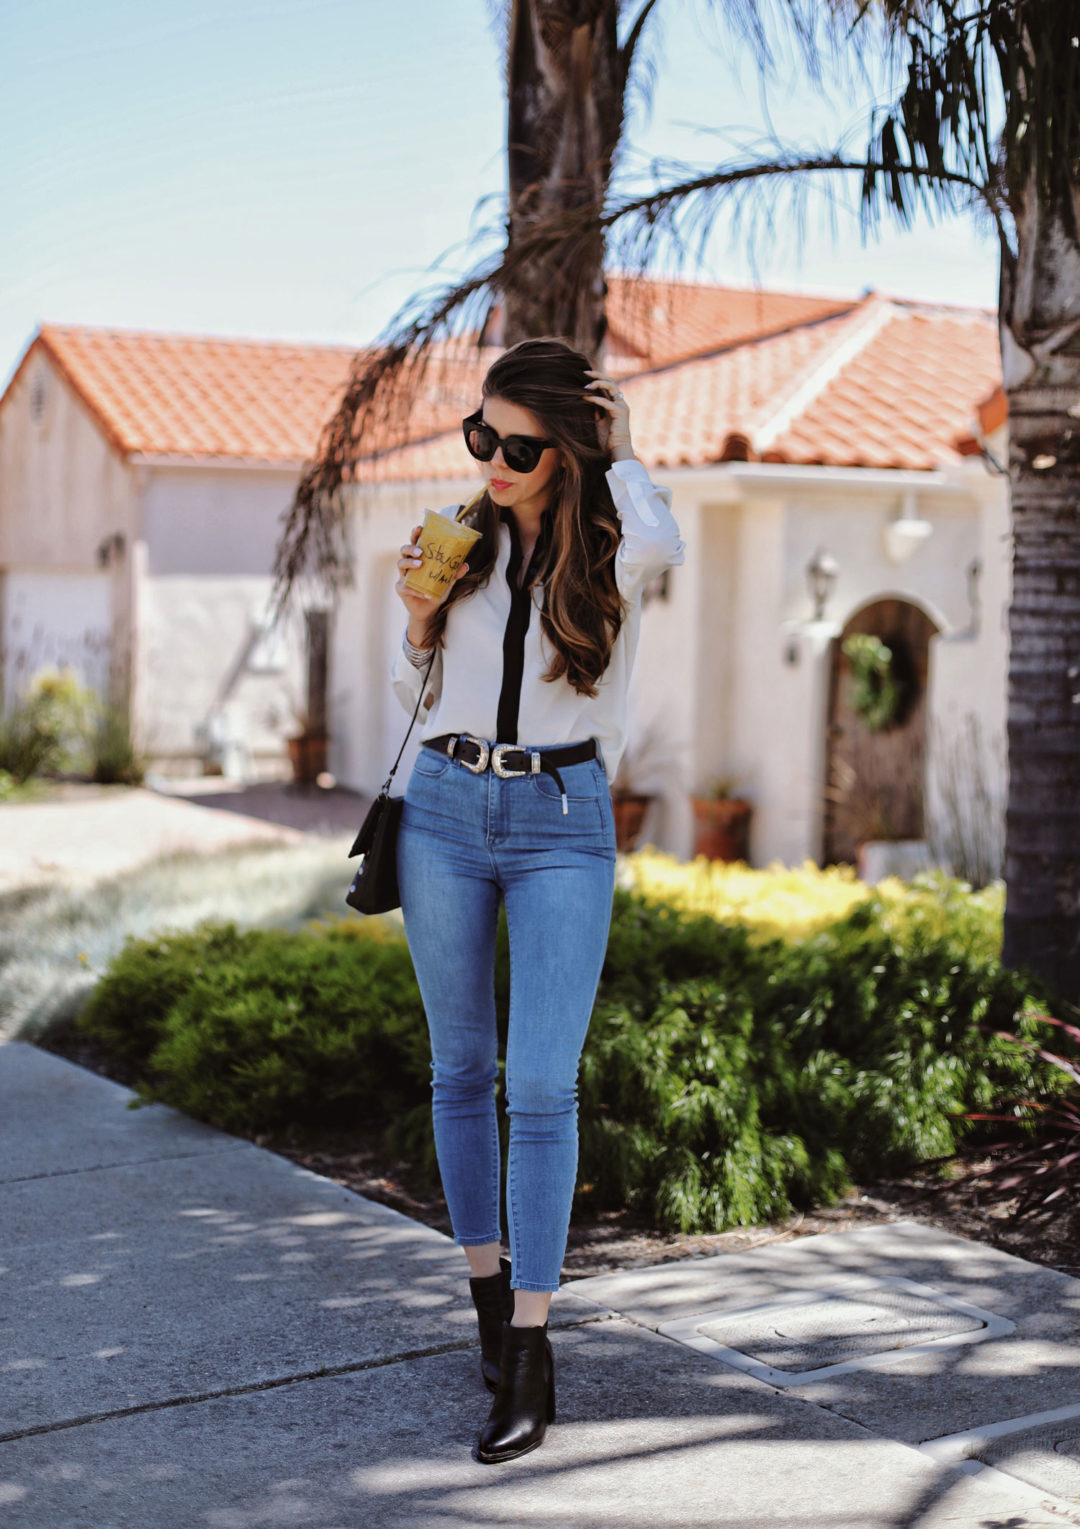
{"type": "Point", "coordinates": [376, 413]}
{"type": "Point", "coordinates": [681, 214]}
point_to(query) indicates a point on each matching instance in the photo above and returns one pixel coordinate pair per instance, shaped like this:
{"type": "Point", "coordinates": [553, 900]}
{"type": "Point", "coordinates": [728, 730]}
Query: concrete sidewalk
{"type": "Point", "coordinates": [195, 1332]}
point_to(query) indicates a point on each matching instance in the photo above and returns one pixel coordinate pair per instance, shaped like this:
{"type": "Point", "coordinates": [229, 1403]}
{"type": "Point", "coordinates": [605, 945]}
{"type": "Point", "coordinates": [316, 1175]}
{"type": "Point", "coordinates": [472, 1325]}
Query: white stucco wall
{"type": "Point", "coordinates": [209, 535]}
{"type": "Point", "coordinates": [65, 494]}
{"type": "Point", "coordinates": [785, 718]}
{"type": "Point", "coordinates": [64, 486]}
{"type": "Point", "coordinates": [54, 620]}
{"type": "Point", "coordinates": [213, 519]}
{"type": "Point", "coordinates": [196, 674]}
{"type": "Point", "coordinates": [762, 670]}
{"type": "Point", "coordinates": [767, 746]}
{"type": "Point", "coordinates": [967, 769]}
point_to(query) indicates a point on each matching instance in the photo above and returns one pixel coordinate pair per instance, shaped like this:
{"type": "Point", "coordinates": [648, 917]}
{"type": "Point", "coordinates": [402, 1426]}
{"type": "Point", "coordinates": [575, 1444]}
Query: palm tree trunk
{"type": "Point", "coordinates": [565, 92]}
{"type": "Point", "coordinates": [1040, 321]}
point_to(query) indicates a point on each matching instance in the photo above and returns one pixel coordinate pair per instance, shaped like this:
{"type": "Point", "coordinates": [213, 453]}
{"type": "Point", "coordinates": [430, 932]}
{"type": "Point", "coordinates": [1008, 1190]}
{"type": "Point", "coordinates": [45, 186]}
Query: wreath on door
{"type": "Point", "coordinates": [880, 690]}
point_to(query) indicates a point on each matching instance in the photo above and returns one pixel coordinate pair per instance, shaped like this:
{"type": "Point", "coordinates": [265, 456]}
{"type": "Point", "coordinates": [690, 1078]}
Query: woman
{"type": "Point", "coordinates": [523, 672]}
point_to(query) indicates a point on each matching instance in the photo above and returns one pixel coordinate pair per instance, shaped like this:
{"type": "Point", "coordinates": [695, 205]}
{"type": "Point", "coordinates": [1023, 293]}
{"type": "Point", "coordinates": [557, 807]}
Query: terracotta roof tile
{"type": "Point", "coordinates": [874, 384]}
{"type": "Point", "coordinates": [184, 395]}
{"type": "Point", "coordinates": [887, 385]}
{"type": "Point", "coordinates": [906, 397]}
{"type": "Point", "coordinates": [192, 396]}
{"type": "Point", "coordinates": [657, 322]}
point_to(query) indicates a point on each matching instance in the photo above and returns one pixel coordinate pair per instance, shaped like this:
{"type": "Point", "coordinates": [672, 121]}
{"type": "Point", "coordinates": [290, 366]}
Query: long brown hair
{"type": "Point", "coordinates": [575, 562]}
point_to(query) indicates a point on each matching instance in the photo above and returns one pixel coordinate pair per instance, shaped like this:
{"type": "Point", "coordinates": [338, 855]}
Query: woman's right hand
{"type": "Point", "coordinates": [420, 607]}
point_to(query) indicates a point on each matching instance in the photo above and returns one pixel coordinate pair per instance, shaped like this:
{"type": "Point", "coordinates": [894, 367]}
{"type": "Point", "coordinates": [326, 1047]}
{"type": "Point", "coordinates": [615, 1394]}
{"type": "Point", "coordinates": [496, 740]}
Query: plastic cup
{"type": "Point", "coordinates": [445, 545]}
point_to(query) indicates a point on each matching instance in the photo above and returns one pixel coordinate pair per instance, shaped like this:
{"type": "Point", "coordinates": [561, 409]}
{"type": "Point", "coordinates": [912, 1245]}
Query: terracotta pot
{"type": "Point", "coordinates": [721, 827]}
{"type": "Point", "coordinates": [630, 813]}
{"type": "Point", "coordinates": [307, 754]}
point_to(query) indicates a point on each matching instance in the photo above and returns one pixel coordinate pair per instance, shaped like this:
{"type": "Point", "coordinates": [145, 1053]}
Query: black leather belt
{"type": "Point", "coordinates": [508, 761]}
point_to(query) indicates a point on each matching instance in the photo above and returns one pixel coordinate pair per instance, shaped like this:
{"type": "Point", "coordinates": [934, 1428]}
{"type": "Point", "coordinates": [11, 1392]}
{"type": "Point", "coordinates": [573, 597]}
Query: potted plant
{"type": "Point", "coordinates": [307, 750]}
{"type": "Point", "coordinates": [721, 821]}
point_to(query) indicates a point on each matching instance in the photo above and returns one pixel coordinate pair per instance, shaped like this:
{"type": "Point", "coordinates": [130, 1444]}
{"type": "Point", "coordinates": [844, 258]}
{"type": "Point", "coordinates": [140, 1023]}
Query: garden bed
{"type": "Point", "coordinates": [745, 1067]}
{"type": "Point", "coordinates": [602, 1242]}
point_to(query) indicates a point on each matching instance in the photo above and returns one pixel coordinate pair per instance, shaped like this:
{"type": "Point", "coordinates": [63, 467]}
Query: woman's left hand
{"type": "Point", "coordinates": [604, 392]}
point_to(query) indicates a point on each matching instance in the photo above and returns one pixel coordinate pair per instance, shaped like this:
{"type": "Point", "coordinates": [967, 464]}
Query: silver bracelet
{"type": "Point", "coordinates": [418, 657]}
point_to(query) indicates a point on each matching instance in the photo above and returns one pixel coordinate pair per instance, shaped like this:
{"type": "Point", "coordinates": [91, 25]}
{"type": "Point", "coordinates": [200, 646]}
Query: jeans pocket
{"type": "Point", "coordinates": [579, 781]}
{"type": "Point", "coordinates": [430, 763]}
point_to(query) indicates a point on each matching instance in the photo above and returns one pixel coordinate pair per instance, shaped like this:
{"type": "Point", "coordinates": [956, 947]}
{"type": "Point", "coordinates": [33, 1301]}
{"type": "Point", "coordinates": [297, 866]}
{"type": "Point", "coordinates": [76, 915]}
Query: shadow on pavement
{"type": "Point", "coordinates": [311, 809]}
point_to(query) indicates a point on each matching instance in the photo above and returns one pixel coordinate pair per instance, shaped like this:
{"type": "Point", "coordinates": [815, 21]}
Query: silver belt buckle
{"type": "Point", "coordinates": [497, 755]}
{"type": "Point", "coordinates": [485, 754]}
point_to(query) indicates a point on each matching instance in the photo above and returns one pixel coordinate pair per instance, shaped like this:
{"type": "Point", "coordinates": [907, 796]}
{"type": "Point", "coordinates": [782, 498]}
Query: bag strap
{"type": "Point", "coordinates": [416, 711]}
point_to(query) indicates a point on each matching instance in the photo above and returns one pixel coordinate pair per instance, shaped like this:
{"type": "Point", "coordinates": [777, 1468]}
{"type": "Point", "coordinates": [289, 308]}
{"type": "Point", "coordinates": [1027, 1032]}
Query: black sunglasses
{"type": "Point", "coordinates": [521, 453]}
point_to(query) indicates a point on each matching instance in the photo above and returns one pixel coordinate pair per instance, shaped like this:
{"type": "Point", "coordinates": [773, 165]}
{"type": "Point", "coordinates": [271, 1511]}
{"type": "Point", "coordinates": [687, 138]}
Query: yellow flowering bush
{"type": "Point", "coordinates": [791, 903]}
{"type": "Point", "coordinates": [780, 902]}
{"type": "Point", "coordinates": [43, 727]}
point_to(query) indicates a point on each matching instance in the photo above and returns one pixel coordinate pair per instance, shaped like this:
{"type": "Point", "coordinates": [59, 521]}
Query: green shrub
{"type": "Point", "coordinates": [254, 1030]}
{"type": "Point", "coordinates": [726, 1079]}
{"type": "Point", "coordinates": [113, 757]}
{"type": "Point", "coordinates": [12, 790]}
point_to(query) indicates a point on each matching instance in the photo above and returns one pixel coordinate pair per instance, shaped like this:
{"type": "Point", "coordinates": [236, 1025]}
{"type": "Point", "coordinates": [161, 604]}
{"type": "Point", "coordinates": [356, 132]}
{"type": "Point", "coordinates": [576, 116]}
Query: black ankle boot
{"type": "Point", "coordinates": [494, 1302]}
{"type": "Point", "coordinates": [525, 1399]}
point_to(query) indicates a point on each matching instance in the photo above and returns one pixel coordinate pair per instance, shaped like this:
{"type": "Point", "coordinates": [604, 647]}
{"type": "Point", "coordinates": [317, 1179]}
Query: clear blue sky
{"type": "Point", "coordinates": [291, 168]}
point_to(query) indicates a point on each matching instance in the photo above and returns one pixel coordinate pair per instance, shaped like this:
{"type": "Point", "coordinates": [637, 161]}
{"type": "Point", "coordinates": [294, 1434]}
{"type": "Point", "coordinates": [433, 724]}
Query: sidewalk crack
{"type": "Point", "coordinates": [323, 1372]}
{"type": "Point", "coordinates": [133, 1162]}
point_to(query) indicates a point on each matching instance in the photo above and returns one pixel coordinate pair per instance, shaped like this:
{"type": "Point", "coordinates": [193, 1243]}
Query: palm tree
{"type": "Point", "coordinates": [568, 75]}
{"type": "Point", "coordinates": [985, 114]}
{"type": "Point", "coordinates": [567, 78]}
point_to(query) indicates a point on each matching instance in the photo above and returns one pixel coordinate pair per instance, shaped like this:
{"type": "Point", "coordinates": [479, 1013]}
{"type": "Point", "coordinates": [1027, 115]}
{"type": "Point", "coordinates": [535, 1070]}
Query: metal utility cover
{"type": "Point", "coordinates": [810, 1335]}
{"type": "Point", "coordinates": [1048, 1458]}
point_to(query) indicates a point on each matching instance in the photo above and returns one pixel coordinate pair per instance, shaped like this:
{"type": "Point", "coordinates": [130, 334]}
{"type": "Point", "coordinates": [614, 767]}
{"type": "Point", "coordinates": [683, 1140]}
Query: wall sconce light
{"type": "Point", "coordinates": [907, 532]}
{"type": "Point", "coordinates": [821, 573]}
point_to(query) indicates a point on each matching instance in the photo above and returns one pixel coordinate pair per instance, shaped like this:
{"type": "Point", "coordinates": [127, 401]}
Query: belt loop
{"type": "Point", "coordinates": [534, 762]}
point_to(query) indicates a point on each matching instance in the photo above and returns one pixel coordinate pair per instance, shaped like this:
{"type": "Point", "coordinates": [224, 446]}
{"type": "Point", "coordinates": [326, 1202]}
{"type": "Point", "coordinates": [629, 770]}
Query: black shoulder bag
{"type": "Point", "coordinates": [374, 888]}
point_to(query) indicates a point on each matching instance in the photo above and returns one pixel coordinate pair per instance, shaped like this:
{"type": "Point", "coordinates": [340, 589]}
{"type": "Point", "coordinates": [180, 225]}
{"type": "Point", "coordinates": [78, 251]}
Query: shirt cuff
{"type": "Point", "coordinates": [629, 467]}
{"type": "Point", "coordinates": [633, 477]}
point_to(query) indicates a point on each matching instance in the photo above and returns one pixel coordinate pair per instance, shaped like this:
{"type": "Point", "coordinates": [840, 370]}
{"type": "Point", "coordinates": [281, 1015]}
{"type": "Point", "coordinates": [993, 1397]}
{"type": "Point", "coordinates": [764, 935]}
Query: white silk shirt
{"type": "Point", "coordinates": [462, 693]}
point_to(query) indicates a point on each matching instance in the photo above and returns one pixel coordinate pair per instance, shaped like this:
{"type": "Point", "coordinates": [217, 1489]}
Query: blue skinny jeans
{"type": "Point", "coordinates": [465, 842]}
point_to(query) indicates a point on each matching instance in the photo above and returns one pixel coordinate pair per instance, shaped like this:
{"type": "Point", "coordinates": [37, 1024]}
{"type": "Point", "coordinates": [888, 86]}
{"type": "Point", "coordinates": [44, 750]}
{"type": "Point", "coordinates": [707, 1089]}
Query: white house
{"type": "Point", "coordinates": [142, 480]}
{"type": "Point", "coordinates": [851, 439]}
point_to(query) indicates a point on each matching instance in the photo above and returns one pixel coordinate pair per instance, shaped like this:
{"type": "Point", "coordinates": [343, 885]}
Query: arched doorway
{"type": "Point", "coordinates": [875, 779]}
